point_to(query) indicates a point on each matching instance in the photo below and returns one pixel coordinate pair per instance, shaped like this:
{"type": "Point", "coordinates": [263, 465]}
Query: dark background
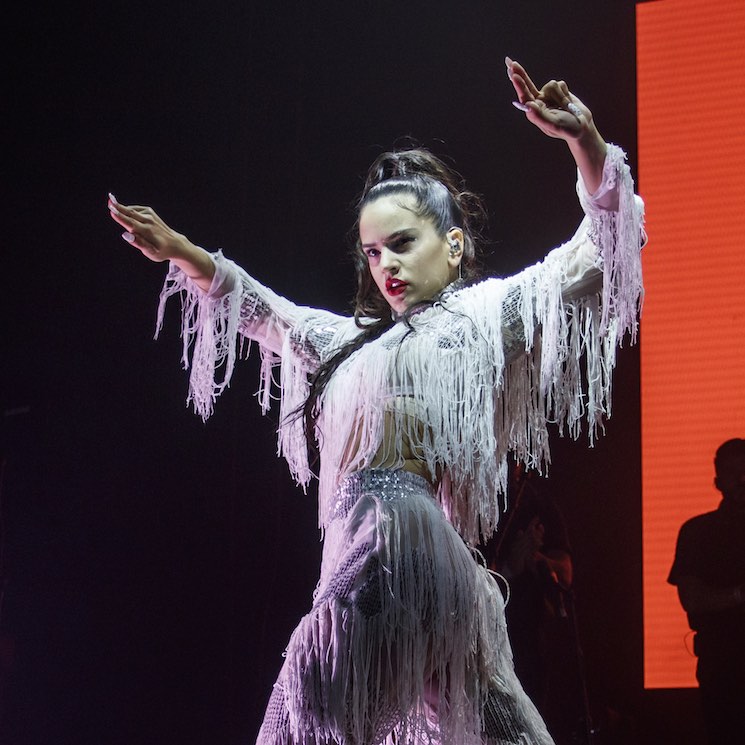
{"type": "Point", "coordinates": [154, 565]}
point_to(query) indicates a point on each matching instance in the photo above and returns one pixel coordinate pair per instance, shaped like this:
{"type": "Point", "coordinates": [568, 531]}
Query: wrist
{"type": "Point", "coordinates": [191, 259]}
{"type": "Point", "coordinates": [182, 249]}
{"type": "Point", "coordinates": [589, 147]}
{"type": "Point", "coordinates": [194, 262]}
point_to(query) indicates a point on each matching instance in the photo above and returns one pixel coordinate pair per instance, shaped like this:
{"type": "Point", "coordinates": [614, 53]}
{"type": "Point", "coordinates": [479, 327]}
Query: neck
{"type": "Point", "coordinates": [437, 299]}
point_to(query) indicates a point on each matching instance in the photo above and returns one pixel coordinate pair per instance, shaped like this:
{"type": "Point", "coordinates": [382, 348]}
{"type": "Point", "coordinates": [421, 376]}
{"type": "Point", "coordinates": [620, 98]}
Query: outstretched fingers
{"type": "Point", "coordinates": [127, 217]}
{"type": "Point", "coordinates": [525, 88]}
{"type": "Point", "coordinates": [137, 222]}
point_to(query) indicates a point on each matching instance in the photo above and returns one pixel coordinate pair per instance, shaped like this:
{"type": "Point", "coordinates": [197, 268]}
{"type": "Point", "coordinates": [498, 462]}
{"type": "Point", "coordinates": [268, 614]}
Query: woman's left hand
{"type": "Point", "coordinates": [553, 109]}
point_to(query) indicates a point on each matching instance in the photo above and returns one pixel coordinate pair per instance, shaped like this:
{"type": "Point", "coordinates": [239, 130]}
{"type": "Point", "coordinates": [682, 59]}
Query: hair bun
{"type": "Point", "coordinates": [409, 163]}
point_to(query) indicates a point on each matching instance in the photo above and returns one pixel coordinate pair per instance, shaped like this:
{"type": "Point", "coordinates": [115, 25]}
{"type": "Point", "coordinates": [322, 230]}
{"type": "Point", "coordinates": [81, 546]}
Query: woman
{"type": "Point", "coordinates": [414, 405]}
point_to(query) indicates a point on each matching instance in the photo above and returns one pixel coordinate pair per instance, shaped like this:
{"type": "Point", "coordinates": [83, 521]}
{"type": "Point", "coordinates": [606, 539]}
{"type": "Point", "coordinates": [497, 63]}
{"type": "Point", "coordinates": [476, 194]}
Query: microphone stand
{"type": "Point", "coordinates": [587, 733]}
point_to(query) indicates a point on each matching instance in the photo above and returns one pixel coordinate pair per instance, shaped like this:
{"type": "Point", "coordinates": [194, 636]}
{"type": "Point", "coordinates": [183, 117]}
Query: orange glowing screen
{"type": "Point", "coordinates": [691, 68]}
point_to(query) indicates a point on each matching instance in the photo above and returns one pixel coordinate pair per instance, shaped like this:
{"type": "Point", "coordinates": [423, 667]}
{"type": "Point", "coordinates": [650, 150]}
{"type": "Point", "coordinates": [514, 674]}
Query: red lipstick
{"type": "Point", "coordinates": [395, 286]}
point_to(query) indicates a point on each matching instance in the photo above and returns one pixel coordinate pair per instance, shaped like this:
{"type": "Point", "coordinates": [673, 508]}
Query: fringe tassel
{"type": "Point", "coordinates": [211, 324]}
{"type": "Point", "coordinates": [370, 673]}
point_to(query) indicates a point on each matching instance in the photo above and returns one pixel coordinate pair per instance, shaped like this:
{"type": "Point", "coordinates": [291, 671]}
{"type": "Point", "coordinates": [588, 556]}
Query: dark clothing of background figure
{"type": "Point", "coordinates": [539, 629]}
{"type": "Point", "coordinates": [711, 547]}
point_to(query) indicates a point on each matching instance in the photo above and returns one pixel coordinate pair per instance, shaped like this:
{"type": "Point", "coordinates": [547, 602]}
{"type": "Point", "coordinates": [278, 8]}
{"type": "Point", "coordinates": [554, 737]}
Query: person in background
{"type": "Point", "coordinates": [532, 551]}
{"type": "Point", "coordinates": [709, 572]}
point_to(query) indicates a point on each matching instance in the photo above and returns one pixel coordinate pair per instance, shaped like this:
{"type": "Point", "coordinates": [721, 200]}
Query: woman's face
{"type": "Point", "coordinates": [408, 260]}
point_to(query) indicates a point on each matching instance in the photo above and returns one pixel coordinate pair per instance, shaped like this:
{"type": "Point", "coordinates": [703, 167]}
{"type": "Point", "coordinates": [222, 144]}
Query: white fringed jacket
{"type": "Point", "coordinates": [478, 375]}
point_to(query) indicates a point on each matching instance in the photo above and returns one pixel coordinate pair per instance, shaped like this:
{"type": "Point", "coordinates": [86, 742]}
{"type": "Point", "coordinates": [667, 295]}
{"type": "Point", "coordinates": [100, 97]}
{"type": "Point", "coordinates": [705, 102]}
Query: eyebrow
{"type": "Point", "coordinates": [392, 236]}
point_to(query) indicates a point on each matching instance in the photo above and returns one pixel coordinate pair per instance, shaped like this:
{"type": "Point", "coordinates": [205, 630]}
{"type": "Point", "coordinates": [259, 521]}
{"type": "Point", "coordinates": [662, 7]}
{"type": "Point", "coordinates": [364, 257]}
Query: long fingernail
{"type": "Point", "coordinates": [129, 237]}
{"type": "Point", "coordinates": [507, 61]}
{"type": "Point", "coordinates": [113, 198]}
{"type": "Point", "coordinates": [113, 210]}
{"type": "Point", "coordinates": [521, 106]}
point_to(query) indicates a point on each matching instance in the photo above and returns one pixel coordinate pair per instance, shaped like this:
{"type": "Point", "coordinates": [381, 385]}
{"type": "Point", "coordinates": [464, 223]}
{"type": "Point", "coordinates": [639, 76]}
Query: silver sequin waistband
{"type": "Point", "coordinates": [386, 484]}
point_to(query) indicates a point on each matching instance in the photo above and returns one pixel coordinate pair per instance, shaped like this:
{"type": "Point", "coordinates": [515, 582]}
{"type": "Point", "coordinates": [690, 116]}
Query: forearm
{"type": "Point", "coordinates": [698, 597]}
{"type": "Point", "coordinates": [589, 152]}
{"type": "Point", "coordinates": [195, 263]}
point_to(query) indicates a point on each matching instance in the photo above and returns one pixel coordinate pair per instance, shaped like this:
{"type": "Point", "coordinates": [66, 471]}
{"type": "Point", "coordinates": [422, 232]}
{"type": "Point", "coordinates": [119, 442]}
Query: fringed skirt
{"type": "Point", "coordinates": [406, 640]}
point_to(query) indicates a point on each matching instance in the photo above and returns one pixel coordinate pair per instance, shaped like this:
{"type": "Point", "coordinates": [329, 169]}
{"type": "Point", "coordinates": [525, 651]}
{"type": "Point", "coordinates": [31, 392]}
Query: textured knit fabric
{"type": "Point", "coordinates": [406, 637]}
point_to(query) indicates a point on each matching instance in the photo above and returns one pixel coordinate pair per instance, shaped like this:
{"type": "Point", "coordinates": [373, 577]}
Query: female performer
{"type": "Point", "coordinates": [414, 405]}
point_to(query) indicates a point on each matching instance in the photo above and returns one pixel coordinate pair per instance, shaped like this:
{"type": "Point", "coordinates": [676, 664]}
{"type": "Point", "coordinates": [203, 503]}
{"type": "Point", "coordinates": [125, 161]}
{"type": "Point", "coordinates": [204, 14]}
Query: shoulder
{"type": "Point", "coordinates": [702, 520]}
{"type": "Point", "coordinates": [480, 290]}
{"type": "Point", "coordinates": [699, 527]}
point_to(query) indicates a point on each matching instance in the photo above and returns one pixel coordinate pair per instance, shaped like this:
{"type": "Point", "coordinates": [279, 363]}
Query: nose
{"type": "Point", "coordinates": [388, 260]}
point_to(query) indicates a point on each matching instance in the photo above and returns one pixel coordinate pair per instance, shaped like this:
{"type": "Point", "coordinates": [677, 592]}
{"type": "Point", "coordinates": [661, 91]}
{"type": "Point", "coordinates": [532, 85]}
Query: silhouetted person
{"type": "Point", "coordinates": [709, 571]}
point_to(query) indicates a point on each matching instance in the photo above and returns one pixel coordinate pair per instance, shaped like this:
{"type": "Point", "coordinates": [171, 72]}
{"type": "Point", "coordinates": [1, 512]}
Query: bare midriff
{"type": "Point", "coordinates": [396, 449]}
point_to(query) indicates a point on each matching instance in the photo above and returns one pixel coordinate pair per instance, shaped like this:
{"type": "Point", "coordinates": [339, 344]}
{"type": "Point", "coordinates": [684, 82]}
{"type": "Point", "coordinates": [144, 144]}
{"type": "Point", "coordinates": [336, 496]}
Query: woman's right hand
{"type": "Point", "coordinates": [148, 233]}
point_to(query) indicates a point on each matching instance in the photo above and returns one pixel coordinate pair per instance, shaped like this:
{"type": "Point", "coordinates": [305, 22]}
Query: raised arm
{"type": "Point", "coordinates": [556, 325]}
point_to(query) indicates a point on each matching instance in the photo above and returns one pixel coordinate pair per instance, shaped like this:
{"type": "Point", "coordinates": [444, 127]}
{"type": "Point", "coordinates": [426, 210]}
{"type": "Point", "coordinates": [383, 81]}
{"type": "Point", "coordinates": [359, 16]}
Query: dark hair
{"type": "Point", "coordinates": [440, 197]}
{"type": "Point", "coordinates": [727, 452]}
